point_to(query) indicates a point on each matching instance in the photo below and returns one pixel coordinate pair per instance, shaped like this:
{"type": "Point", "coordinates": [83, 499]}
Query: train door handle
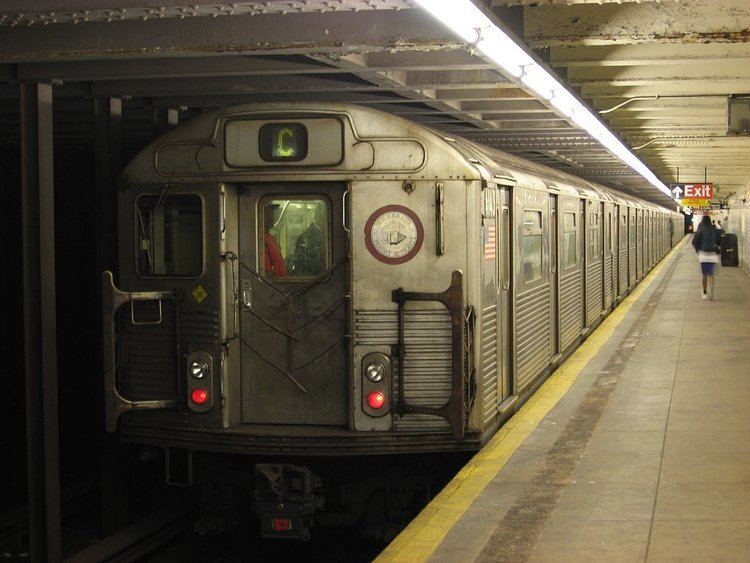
{"type": "Point", "coordinates": [246, 295]}
{"type": "Point", "coordinates": [344, 213]}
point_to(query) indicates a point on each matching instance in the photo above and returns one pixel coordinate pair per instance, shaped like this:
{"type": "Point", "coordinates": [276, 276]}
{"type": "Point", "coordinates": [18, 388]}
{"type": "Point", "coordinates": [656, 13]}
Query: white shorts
{"type": "Point", "coordinates": [708, 257]}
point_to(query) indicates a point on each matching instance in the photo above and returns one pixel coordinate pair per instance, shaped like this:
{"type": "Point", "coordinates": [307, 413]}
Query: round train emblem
{"type": "Point", "coordinates": [394, 234]}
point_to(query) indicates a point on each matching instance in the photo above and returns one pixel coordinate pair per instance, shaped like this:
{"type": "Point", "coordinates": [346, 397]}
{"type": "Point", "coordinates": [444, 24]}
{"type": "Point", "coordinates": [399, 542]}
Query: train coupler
{"type": "Point", "coordinates": [286, 498]}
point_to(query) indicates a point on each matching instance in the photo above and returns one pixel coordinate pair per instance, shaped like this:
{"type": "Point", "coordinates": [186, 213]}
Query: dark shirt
{"type": "Point", "coordinates": [706, 240]}
{"type": "Point", "coordinates": [310, 252]}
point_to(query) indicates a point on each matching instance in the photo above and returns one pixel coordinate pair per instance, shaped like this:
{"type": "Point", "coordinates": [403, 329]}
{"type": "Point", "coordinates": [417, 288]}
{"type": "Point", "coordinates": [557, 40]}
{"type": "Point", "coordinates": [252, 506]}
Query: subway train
{"type": "Point", "coordinates": [305, 283]}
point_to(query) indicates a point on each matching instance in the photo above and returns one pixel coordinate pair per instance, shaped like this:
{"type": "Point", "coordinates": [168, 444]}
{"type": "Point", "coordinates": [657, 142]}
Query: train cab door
{"type": "Point", "coordinates": [504, 296]}
{"type": "Point", "coordinates": [554, 278]}
{"type": "Point", "coordinates": [293, 283]}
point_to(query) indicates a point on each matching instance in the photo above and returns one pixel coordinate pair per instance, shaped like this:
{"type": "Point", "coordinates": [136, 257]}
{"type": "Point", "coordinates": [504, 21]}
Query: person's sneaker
{"type": "Point", "coordinates": [705, 296]}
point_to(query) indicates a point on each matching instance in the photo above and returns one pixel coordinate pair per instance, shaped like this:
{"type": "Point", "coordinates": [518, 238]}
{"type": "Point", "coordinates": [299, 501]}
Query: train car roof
{"type": "Point", "coordinates": [501, 163]}
{"type": "Point", "coordinates": [202, 134]}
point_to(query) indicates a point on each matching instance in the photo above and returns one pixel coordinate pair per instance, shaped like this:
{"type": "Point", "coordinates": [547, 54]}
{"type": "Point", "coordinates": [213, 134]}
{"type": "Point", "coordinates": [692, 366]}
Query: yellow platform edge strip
{"type": "Point", "coordinates": [419, 540]}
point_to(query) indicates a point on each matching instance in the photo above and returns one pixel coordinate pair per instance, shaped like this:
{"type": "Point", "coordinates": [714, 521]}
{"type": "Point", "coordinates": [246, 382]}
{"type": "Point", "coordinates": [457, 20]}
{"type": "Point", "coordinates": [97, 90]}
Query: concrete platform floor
{"type": "Point", "coordinates": [645, 458]}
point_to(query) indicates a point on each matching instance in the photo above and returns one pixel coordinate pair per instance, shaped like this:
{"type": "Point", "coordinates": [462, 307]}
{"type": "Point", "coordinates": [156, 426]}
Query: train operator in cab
{"type": "Point", "coordinates": [274, 260]}
{"type": "Point", "coordinates": [310, 248]}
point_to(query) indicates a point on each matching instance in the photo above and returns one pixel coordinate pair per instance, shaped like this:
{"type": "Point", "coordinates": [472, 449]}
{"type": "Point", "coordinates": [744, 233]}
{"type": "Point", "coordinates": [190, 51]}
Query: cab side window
{"type": "Point", "coordinates": [594, 242]}
{"type": "Point", "coordinates": [170, 235]}
{"type": "Point", "coordinates": [570, 247]}
{"type": "Point", "coordinates": [295, 241]}
{"type": "Point", "coordinates": [532, 246]}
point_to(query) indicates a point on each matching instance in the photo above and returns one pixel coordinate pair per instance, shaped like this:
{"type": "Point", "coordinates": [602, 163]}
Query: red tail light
{"type": "Point", "coordinates": [376, 400]}
{"type": "Point", "coordinates": [199, 396]}
{"type": "Point", "coordinates": [281, 524]}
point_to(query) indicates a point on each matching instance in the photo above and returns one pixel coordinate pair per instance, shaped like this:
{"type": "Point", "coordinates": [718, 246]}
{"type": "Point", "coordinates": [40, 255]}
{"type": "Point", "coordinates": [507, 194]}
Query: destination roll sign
{"type": "Point", "coordinates": [693, 191]}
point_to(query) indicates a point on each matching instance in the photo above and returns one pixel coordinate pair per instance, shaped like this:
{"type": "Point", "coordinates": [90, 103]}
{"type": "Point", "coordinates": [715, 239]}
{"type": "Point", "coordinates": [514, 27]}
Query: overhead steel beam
{"type": "Point", "coordinates": [241, 65]}
{"type": "Point", "coordinates": [342, 32]}
{"type": "Point", "coordinates": [720, 21]}
{"type": "Point", "coordinates": [647, 54]}
{"type": "Point", "coordinates": [224, 100]}
{"type": "Point", "coordinates": [638, 75]}
{"type": "Point", "coordinates": [684, 87]}
{"type": "Point", "coordinates": [396, 81]}
{"type": "Point", "coordinates": [218, 86]}
{"type": "Point", "coordinates": [40, 322]}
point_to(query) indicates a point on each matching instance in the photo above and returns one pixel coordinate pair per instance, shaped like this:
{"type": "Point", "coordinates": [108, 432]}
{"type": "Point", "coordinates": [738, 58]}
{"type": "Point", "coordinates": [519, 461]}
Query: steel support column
{"type": "Point", "coordinates": [40, 323]}
{"type": "Point", "coordinates": [107, 166]}
{"type": "Point", "coordinates": [108, 163]}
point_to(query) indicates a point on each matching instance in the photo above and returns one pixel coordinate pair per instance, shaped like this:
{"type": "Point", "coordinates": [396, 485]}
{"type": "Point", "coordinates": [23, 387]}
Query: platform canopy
{"type": "Point", "coordinates": [658, 73]}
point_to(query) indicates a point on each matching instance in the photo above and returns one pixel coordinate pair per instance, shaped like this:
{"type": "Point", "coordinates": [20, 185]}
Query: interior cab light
{"type": "Point", "coordinates": [199, 396]}
{"type": "Point", "coordinates": [376, 400]}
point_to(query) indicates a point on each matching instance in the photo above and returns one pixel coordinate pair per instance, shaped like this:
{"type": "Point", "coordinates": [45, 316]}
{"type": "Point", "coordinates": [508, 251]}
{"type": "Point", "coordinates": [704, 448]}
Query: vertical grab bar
{"type": "Point", "coordinates": [452, 298]}
{"type": "Point", "coordinates": [345, 212]}
{"type": "Point", "coordinates": [112, 299]}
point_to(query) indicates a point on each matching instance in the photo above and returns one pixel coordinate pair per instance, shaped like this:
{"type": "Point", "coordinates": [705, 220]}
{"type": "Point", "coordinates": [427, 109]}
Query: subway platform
{"type": "Point", "coordinates": [636, 449]}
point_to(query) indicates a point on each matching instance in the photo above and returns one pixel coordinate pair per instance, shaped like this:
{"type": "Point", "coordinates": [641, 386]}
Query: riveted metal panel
{"type": "Point", "coordinates": [427, 364]}
{"type": "Point", "coordinates": [570, 307]}
{"type": "Point", "coordinates": [607, 280]}
{"type": "Point", "coordinates": [593, 291]}
{"type": "Point", "coordinates": [149, 351]}
{"type": "Point", "coordinates": [488, 343]}
{"type": "Point", "coordinates": [532, 334]}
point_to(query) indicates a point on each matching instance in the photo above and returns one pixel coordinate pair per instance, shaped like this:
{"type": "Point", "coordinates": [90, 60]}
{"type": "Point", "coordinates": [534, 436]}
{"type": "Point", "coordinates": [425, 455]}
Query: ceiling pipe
{"type": "Point", "coordinates": [626, 102]}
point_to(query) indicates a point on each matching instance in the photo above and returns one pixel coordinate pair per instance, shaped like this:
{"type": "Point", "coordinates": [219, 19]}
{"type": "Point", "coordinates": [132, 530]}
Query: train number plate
{"type": "Point", "coordinates": [394, 234]}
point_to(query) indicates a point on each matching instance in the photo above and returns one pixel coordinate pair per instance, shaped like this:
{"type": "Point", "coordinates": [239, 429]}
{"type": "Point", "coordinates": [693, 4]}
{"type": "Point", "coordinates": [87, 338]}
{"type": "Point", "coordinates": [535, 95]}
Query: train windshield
{"type": "Point", "coordinates": [296, 241]}
{"type": "Point", "coordinates": [170, 235]}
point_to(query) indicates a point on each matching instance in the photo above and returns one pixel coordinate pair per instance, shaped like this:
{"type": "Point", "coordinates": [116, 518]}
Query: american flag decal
{"type": "Point", "coordinates": [490, 243]}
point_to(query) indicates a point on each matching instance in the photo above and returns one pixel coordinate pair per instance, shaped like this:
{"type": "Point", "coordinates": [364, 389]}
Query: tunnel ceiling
{"type": "Point", "coordinates": [668, 69]}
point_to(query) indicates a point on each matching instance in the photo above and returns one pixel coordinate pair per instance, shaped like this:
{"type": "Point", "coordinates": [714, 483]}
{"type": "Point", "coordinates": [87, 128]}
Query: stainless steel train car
{"type": "Point", "coordinates": [330, 280]}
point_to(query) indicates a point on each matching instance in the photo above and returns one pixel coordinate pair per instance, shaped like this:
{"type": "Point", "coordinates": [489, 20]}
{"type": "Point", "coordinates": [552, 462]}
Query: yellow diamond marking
{"type": "Point", "coordinates": [200, 293]}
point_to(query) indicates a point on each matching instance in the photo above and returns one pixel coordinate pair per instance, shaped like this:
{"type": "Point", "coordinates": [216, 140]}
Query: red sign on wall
{"type": "Point", "coordinates": [701, 191]}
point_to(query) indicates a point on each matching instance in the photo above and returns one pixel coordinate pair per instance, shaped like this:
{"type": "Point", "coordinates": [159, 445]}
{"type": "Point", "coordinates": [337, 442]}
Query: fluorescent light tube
{"type": "Point", "coordinates": [473, 26]}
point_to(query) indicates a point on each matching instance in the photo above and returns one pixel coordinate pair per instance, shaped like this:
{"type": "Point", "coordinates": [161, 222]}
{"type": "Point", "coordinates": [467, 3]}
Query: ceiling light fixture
{"type": "Point", "coordinates": [473, 26]}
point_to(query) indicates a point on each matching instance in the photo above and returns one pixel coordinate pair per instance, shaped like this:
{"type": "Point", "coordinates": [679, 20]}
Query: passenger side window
{"type": "Point", "coordinates": [594, 242]}
{"type": "Point", "coordinates": [170, 235]}
{"type": "Point", "coordinates": [570, 248]}
{"type": "Point", "coordinates": [623, 232]}
{"type": "Point", "coordinates": [295, 241]}
{"type": "Point", "coordinates": [532, 246]}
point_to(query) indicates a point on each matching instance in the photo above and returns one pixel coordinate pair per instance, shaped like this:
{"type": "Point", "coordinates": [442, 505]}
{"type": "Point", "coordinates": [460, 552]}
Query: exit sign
{"type": "Point", "coordinates": [693, 191]}
{"type": "Point", "coordinates": [703, 191]}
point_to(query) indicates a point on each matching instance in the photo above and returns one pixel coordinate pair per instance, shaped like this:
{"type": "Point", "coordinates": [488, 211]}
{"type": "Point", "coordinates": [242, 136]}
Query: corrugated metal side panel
{"type": "Point", "coordinates": [593, 292]}
{"type": "Point", "coordinates": [641, 261]}
{"type": "Point", "coordinates": [150, 351]}
{"type": "Point", "coordinates": [427, 364]}
{"type": "Point", "coordinates": [623, 271]}
{"type": "Point", "coordinates": [570, 308]}
{"type": "Point", "coordinates": [631, 265]}
{"type": "Point", "coordinates": [488, 339]}
{"type": "Point", "coordinates": [607, 280]}
{"type": "Point", "coordinates": [532, 334]}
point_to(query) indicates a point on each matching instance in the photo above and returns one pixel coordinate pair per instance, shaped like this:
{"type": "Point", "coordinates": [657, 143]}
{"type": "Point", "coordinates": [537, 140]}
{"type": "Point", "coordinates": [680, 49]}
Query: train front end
{"type": "Point", "coordinates": [292, 282]}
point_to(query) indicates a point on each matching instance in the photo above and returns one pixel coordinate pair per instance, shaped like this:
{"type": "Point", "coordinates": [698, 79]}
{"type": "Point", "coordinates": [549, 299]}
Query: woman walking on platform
{"type": "Point", "coordinates": [706, 244]}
